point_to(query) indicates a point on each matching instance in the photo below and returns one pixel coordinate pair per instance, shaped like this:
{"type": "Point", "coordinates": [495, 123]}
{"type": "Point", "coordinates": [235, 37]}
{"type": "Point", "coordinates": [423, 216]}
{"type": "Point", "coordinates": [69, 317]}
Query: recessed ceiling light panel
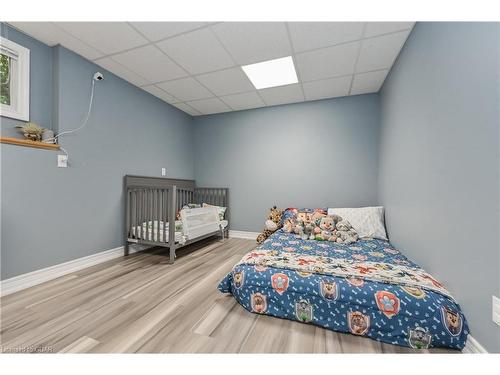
{"type": "Point", "coordinates": [271, 73]}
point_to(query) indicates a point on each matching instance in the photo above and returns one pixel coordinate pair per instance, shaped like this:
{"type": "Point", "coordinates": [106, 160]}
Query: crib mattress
{"type": "Point", "coordinates": [153, 235]}
{"type": "Point", "coordinates": [150, 232]}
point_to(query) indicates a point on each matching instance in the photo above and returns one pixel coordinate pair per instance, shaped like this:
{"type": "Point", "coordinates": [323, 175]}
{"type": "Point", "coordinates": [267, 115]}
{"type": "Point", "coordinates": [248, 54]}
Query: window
{"type": "Point", "coordinates": [14, 80]}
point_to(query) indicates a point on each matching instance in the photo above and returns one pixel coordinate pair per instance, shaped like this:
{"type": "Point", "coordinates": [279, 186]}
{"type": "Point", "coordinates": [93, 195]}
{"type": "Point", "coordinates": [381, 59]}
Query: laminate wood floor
{"type": "Point", "coordinates": [140, 303]}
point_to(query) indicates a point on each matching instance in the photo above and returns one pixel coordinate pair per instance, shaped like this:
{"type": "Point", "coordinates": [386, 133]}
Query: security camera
{"type": "Point", "coordinates": [98, 76]}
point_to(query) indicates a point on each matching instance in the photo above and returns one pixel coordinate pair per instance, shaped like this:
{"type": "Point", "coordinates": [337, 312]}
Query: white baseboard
{"type": "Point", "coordinates": [243, 234]}
{"type": "Point", "coordinates": [472, 346]}
{"type": "Point", "coordinates": [27, 280]}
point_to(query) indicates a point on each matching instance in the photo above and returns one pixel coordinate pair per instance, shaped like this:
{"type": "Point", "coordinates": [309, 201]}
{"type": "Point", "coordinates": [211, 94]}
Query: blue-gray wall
{"type": "Point", "coordinates": [41, 94]}
{"type": "Point", "coordinates": [313, 154]}
{"type": "Point", "coordinates": [438, 161]}
{"type": "Point", "coordinates": [51, 215]}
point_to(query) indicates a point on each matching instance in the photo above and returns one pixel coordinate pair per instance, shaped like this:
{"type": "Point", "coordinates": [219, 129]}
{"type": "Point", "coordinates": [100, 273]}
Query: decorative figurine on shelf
{"type": "Point", "coordinates": [31, 131]}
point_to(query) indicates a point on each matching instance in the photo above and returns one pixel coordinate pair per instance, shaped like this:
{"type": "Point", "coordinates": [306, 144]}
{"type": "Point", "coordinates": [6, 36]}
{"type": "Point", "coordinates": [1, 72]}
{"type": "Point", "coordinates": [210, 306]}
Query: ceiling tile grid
{"type": "Point", "coordinates": [327, 88]}
{"type": "Point", "coordinates": [107, 37]}
{"type": "Point", "coordinates": [365, 83]}
{"type": "Point", "coordinates": [150, 63]}
{"type": "Point", "coordinates": [312, 35]}
{"type": "Point", "coordinates": [327, 62]}
{"type": "Point", "coordinates": [245, 100]}
{"type": "Point", "coordinates": [209, 106]}
{"type": "Point", "coordinates": [282, 94]}
{"type": "Point", "coordinates": [249, 44]}
{"type": "Point", "coordinates": [198, 51]}
{"type": "Point", "coordinates": [122, 71]}
{"type": "Point", "coordinates": [196, 66]}
{"type": "Point", "coordinates": [185, 89]}
{"type": "Point", "coordinates": [225, 82]}
{"type": "Point", "coordinates": [160, 93]}
{"type": "Point", "coordinates": [155, 31]}
{"type": "Point", "coordinates": [186, 108]}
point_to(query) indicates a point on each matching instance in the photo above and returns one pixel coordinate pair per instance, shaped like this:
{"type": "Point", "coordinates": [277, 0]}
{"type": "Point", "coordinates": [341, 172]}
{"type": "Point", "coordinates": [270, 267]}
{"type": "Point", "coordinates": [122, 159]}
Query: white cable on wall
{"type": "Point", "coordinates": [97, 77]}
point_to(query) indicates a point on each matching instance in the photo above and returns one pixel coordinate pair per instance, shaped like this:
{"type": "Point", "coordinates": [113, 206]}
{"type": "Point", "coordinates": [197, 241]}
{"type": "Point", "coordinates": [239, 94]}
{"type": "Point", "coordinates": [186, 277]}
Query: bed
{"type": "Point", "coordinates": [151, 203]}
{"type": "Point", "coordinates": [367, 288]}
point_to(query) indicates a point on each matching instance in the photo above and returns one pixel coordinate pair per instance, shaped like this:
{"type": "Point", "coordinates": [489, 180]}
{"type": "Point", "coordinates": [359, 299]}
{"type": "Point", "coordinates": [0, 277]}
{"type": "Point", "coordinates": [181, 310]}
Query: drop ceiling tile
{"type": "Point", "coordinates": [51, 35]}
{"type": "Point", "coordinates": [197, 52]}
{"type": "Point", "coordinates": [282, 94]}
{"type": "Point", "coordinates": [45, 32]}
{"type": "Point", "coordinates": [327, 62]}
{"type": "Point", "coordinates": [159, 30]}
{"type": "Point", "coordinates": [251, 42]}
{"type": "Point", "coordinates": [380, 52]}
{"type": "Point", "coordinates": [107, 37]}
{"type": "Point", "coordinates": [311, 35]}
{"type": "Point", "coordinates": [150, 63]}
{"type": "Point", "coordinates": [185, 89]}
{"type": "Point", "coordinates": [226, 82]}
{"type": "Point", "coordinates": [121, 71]}
{"type": "Point", "coordinates": [379, 28]}
{"type": "Point", "coordinates": [209, 106]}
{"type": "Point", "coordinates": [245, 100]}
{"type": "Point", "coordinates": [186, 108]}
{"type": "Point", "coordinates": [365, 83]}
{"type": "Point", "coordinates": [159, 93]}
{"type": "Point", "coordinates": [327, 88]}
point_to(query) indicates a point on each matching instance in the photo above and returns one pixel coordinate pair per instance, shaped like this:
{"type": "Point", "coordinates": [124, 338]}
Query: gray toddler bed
{"type": "Point", "coordinates": [151, 205]}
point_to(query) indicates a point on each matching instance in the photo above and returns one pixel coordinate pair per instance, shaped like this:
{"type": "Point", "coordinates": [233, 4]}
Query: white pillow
{"type": "Point", "coordinates": [367, 221]}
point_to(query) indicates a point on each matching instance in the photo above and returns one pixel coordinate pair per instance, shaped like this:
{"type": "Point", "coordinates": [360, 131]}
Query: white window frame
{"type": "Point", "coordinates": [20, 85]}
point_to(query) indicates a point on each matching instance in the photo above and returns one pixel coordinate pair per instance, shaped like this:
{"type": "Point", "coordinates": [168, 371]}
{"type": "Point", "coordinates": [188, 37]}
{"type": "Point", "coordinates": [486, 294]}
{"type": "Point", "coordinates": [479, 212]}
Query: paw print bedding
{"type": "Point", "coordinates": [367, 288]}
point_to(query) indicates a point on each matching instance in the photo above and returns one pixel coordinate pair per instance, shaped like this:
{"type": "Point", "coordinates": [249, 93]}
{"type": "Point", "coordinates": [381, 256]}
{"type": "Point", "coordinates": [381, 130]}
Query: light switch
{"type": "Point", "coordinates": [62, 161]}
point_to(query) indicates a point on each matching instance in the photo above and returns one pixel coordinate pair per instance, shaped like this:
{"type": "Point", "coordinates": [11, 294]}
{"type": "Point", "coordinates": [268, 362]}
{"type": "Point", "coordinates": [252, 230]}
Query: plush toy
{"type": "Point", "coordinates": [289, 225]}
{"type": "Point", "coordinates": [317, 215]}
{"type": "Point", "coordinates": [272, 224]}
{"type": "Point", "coordinates": [294, 224]}
{"type": "Point", "coordinates": [325, 231]}
{"type": "Point", "coordinates": [304, 225]}
{"type": "Point", "coordinates": [305, 230]}
{"type": "Point", "coordinates": [304, 217]}
{"type": "Point", "coordinates": [345, 232]}
{"type": "Point", "coordinates": [308, 232]}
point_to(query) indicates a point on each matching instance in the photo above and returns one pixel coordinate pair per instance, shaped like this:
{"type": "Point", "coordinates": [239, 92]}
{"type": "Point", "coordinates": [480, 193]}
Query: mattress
{"type": "Point", "coordinates": [367, 288]}
{"type": "Point", "coordinates": [149, 231]}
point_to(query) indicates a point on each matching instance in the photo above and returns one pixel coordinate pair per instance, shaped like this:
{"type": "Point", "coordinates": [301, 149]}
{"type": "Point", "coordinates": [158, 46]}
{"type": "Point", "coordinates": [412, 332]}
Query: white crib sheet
{"type": "Point", "coordinates": [151, 234]}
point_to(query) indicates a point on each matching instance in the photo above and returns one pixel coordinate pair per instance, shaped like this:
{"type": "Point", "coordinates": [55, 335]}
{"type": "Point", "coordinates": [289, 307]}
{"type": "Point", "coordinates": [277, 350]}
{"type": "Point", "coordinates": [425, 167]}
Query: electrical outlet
{"type": "Point", "coordinates": [62, 161]}
{"type": "Point", "coordinates": [164, 171]}
{"type": "Point", "coordinates": [496, 310]}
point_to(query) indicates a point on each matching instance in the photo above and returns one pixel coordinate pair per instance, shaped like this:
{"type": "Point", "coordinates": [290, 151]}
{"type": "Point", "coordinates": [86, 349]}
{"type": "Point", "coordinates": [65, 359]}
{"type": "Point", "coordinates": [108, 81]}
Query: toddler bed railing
{"type": "Point", "coordinates": [152, 202]}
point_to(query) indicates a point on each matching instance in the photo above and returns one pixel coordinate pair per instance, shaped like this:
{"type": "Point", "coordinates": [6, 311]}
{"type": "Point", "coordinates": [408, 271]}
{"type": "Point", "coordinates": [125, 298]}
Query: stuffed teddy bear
{"type": "Point", "coordinates": [345, 232]}
{"type": "Point", "coordinates": [272, 224]}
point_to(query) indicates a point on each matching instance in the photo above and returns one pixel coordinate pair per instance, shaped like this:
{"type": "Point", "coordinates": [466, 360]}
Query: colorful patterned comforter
{"type": "Point", "coordinates": [367, 288]}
